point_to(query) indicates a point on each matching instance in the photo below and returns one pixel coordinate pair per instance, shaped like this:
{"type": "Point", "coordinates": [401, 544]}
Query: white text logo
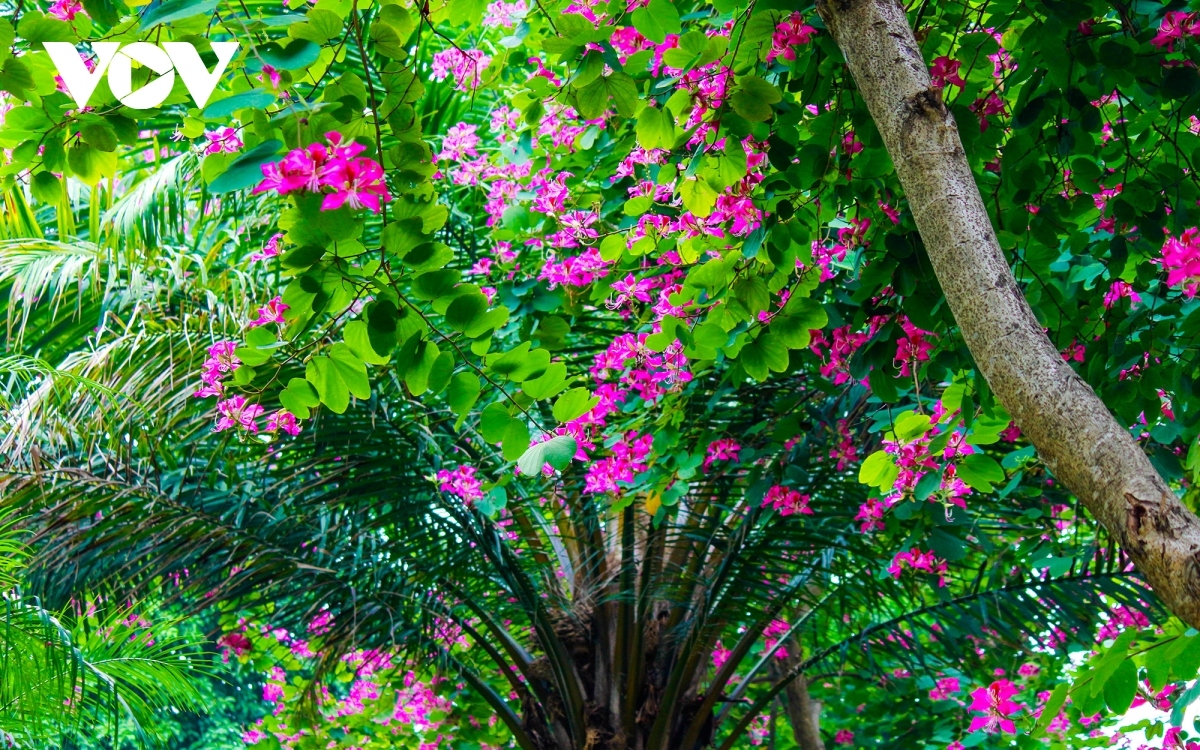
{"type": "Point", "coordinates": [118, 62]}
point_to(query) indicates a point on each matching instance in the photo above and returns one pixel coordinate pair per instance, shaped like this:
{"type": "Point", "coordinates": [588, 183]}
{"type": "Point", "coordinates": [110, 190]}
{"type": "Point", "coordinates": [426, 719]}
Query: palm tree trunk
{"type": "Point", "coordinates": [1074, 433]}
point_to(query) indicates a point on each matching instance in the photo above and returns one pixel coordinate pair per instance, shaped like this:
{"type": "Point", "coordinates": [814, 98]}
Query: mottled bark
{"type": "Point", "coordinates": [1074, 433]}
{"type": "Point", "coordinates": [804, 714]}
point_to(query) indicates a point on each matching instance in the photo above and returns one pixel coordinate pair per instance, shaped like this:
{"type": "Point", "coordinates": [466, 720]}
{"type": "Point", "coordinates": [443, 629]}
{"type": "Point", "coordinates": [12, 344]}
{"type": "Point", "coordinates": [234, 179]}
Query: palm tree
{"type": "Point", "coordinates": [61, 675]}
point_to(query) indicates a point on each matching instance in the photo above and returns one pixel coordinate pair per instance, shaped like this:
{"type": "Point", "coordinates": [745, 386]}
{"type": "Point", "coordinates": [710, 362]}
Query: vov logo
{"type": "Point", "coordinates": [118, 61]}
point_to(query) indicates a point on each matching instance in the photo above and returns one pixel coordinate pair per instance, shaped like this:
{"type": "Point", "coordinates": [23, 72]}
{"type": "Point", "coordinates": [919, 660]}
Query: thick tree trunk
{"type": "Point", "coordinates": [1074, 433]}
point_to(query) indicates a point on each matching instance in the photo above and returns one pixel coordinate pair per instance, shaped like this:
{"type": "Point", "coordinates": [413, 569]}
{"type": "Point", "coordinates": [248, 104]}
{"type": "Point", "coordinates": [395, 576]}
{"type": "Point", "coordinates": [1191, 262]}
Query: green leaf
{"type": "Point", "coordinates": [879, 470]}
{"type": "Point", "coordinates": [297, 55]}
{"type": "Point", "coordinates": [553, 380]}
{"type": "Point", "coordinates": [657, 20]}
{"type": "Point", "coordinates": [1050, 710]}
{"type": "Point", "coordinates": [99, 137]}
{"type": "Point", "coordinates": [299, 398]}
{"type": "Point", "coordinates": [246, 170]}
{"type": "Point", "coordinates": [466, 310]}
{"type": "Point", "coordinates": [175, 10]}
{"type": "Point", "coordinates": [47, 188]}
{"type": "Point", "coordinates": [463, 392]}
{"type": "Point", "coordinates": [91, 165]}
{"type": "Point", "coordinates": [351, 369]}
{"type": "Point", "coordinates": [753, 98]}
{"type": "Point", "coordinates": [493, 422]}
{"type": "Point", "coordinates": [911, 425]}
{"type": "Point", "coordinates": [433, 284]}
{"type": "Point", "coordinates": [252, 99]}
{"type": "Point", "coordinates": [557, 451]}
{"type": "Point", "coordinates": [358, 337]}
{"type": "Point", "coordinates": [36, 28]}
{"type": "Point", "coordinates": [516, 440]}
{"type": "Point", "coordinates": [698, 196]}
{"type": "Point", "coordinates": [1121, 687]}
{"type": "Point", "coordinates": [574, 404]}
{"type": "Point", "coordinates": [332, 390]}
{"type": "Point", "coordinates": [656, 128]}
{"type": "Point", "coordinates": [980, 472]}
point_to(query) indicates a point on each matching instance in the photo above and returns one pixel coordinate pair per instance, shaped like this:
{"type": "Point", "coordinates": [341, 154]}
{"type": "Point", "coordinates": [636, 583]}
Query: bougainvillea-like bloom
{"type": "Point", "coordinates": [65, 10]}
{"type": "Point", "coordinates": [220, 363]}
{"type": "Point", "coordinates": [844, 737]}
{"type": "Point", "coordinates": [357, 183]}
{"type": "Point", "coordinates": [786, 501]}
{"type": "Point", "coordinates": [631, 455]}
{"type": "Point", "coordinates": [460, 482]}
{"type": "Point", "coordinates": [234, 412]}
{"type": "Point", "coordinates": [270, 250]}
{"type": "Point", "coordinates": [459, 143]}
{"type": "Point", "coordinates": [915, 559]}
{"type": "Point", "coordinates": [913, 347]}
{"type": "Point", "coordinates": [945, 71]}
{"type": "Point", "coordinates": [1181, 260]}
{"type": "Point", "coordinates": [945, 687]}
{"type": "Point", "coordinates": [1175, 25]}
{"type": "Point", "coordinates": [272, 312]}
{"type": "Point", "coordinates": [995, 701]}
{"type": "Point", "coordinates": [1118, 291]}
{"type": "Point", "coordinates": [224, 140]}
{"type": "Point", "coordinates": [726, 449]}
{"type": "Point", "coordinates": [283, 421]}
{"type": "Point", "coordinates": [789, 35]}
{"type": "Point", "coordinates": [466, 67]}
{"type": "Point", "coordinates": [500, 14]}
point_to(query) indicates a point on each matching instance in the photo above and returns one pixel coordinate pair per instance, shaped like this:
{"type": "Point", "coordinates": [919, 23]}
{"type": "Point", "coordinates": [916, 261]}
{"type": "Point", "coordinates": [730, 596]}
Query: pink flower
{"type": "Point", "coordinates": [235, 412]}
{"type": "Point", "coordinates": [461, 482]}
{"type": "Point", "coordinates": [272, 312]}
{"type": "Point", "coordinates": [1073, 352]}
{"type": "Point", "coordinates": [786, 501]}
{"type": "Point", "coordinates": [995, 701]}
{"type": "Point", "coordinates": [844, 737]}
{"type": "Point", "coordinates": [459, 143]}
{"type": "Point", "coordinates": [944, 688]}
{"type": "Point", "coordinates": [630, 457]}
{"type": "Point", "coordinates": [914, 347]}
{"type": "Point", "coordinates": [225, 140]}
{"type": "Point", "coordinates": [357, 183]}
{"type": "Point", "coordinates": [1174, 26]}
{"type": "Point", "coordinates": [269, 73]}
{"type": "Point", "coordinates": [504, 15]}
{"type": "Point", "coordinates": [283, 421]}
{"type": "Point", "coordinates": [65, 10]}
{"type": "Point", "coordinates": [789, 34]}
{"type": "Point", "coordinates": [1028, 670]}
{"type": "Point", "coordinates": [1118, 290]}
{"type": "Point", "coordinates": [945, 71]}
{"type": "Point", "coordinates": [466, 66]}
{"type": "Point", "coordinates": [220, 363]}
{"type": "Point", "coordinates": [722, 450]}
{"type": "Point", "coordinates": [915, 559]}
{"type": "Point", "coordinates": [270, 250]}
{"type": "Point", "coordinates": [1181, 260]}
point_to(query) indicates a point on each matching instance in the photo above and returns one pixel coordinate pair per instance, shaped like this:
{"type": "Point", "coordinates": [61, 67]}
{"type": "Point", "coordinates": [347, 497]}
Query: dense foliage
{"type": "Point", "coordinates": [572, 375]}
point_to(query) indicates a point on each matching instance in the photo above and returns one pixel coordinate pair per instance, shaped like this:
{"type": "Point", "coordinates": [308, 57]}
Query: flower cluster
{"type": "Point", "coordinates": [1174, 27]}
{"type": "Point", "coordinates": [465, 66]}
{"type": "Point", "coordinates": [915, 559]}
{"type": "Point", "coordinates": [354, 180]}
{"type": "Point", "coordinates": [630, 457]}
{"type": "Point", "coordinates": [1181, 260]}
{"type": "Point", "coordinates": [460, 482]}
{"type": "Point", "coordinates": [786, 501]}
{"type": "Point", "coordinates": [224, 140]}
{"type": "Point", "coordinates": [789, 34]}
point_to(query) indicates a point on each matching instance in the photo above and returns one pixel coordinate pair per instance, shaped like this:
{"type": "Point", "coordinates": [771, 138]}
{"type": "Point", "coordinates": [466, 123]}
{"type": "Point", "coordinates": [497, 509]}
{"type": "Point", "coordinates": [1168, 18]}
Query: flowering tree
{"type": "Point", "coordinates": [587, 362]}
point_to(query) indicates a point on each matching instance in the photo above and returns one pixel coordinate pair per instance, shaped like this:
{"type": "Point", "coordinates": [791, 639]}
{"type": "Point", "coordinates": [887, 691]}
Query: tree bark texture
{"type": "Point", "coordinates": [1074, 433]}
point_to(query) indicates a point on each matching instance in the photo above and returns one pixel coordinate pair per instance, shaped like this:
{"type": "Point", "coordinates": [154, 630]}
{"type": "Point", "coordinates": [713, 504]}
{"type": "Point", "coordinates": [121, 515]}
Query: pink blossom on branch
{"type": "Point", "coordinates": [995, 701]}
{"type": "Point", "coordinates": [786, 501]}
{"type": "Point", "coordinates": [272, 312]}
{"type": "Point", "coordinates": [789, 35]}
{"type": "Point", "coordinates": [945, 71]}
{"type": "Point", "coordinates": [460, 482]}
{"type": "Point", "coordinates": [465, 66]}
{"type": "Point", "coordinates": [1181, 260]}
{"type": "Point", "coordinates": [234, 412]}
